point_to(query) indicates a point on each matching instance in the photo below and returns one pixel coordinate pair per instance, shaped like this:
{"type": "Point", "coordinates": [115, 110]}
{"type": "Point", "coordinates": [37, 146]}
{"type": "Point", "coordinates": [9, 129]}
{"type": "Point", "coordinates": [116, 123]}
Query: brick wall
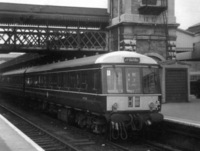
{"type": "Point", "coordinates": [149, 46]}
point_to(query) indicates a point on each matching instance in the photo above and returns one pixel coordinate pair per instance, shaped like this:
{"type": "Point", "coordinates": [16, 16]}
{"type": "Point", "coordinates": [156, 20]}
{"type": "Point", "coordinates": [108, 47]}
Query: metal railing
{"type": "Point", "coordinates": [18, 38]}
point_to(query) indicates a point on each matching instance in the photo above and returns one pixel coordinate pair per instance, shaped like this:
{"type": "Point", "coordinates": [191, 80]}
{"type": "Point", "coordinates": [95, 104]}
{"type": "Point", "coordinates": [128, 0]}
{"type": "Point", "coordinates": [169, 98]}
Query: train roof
{"type": "Point", "coordinates": [112, 57]}
{"type": "Point", "coordinates": [13, 72]}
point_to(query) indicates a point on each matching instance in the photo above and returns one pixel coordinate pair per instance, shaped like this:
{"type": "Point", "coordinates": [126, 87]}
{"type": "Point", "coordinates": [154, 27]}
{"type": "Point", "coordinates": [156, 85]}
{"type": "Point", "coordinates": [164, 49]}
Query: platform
{"type": "Point", "coordinates": [187, 113]}
{"type": "Point", "coordinates": [12, 139]}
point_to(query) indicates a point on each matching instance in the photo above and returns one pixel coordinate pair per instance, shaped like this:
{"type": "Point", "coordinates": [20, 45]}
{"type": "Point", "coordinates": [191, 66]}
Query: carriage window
{"type": "Point", "coordinates": [133, 83]}
{"type": "Point", "coordinates": [60, 80]}
{"type": "Point", "coordinates": [29, 81]}
{"type": "Point", "coordinates": [72, 80]}
{"type": "Point", "coordinates": [66, 81]}
{"type": "Point", "coordinates": [114, 80]}
{"type": "Point", "coordinates": [150, 80]}
{"type": "Point", "coordinates": [44, 80]}
{"type": "Point", "coordinates": [84, 81]}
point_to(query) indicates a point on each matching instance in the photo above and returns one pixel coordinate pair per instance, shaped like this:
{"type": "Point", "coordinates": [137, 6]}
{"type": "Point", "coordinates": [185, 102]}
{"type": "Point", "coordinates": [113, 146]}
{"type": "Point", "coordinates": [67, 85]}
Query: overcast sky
{"type": "Point", "coordinates": [187, 11]}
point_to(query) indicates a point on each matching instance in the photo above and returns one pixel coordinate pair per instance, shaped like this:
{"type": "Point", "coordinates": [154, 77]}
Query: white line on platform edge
{"type": "Point", "coordinates": [22, 134]}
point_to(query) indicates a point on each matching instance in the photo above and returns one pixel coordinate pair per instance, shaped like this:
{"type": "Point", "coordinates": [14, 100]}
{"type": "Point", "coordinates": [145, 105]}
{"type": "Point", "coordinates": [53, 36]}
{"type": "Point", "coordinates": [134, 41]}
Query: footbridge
{"type": "Point", "coordinates": [38, 28]}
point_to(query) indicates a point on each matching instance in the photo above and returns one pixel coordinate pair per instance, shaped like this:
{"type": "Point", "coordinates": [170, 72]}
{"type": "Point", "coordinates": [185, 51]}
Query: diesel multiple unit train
{"type": "Point", "coordinates": [112, 93]}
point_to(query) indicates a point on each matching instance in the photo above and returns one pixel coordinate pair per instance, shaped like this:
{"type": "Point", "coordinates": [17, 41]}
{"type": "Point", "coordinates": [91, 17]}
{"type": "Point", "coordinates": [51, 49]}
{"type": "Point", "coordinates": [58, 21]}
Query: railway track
{"type": "Point", "coordinates": [50, 142]}
{"type": "Point", "coordinates": [66, 138]}
{"type": "Point", "coordinates": [40, 136]}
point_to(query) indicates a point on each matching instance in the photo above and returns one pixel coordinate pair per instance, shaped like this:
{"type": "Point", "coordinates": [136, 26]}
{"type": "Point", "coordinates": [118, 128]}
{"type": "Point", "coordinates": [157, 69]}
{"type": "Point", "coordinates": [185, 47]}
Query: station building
{"type": "Point", "coordinates": [151, 27]}
{"type": "Point", "coordinates": [188, 51]}
{"type": "Point", "coordinates": [149, 23]}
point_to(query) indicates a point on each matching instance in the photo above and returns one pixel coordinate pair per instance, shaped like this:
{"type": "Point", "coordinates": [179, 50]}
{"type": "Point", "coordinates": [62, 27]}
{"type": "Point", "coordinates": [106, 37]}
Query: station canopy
{"type": "Point", "coordinates": [46, 15]}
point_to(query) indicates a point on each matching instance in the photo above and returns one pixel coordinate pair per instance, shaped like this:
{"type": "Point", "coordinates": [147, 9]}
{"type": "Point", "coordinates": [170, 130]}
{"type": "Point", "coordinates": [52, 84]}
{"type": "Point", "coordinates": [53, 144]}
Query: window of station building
{"type": "Point", "coordinates": [133, 82]}
{"type": "Point", "coordinates": [114, 80]}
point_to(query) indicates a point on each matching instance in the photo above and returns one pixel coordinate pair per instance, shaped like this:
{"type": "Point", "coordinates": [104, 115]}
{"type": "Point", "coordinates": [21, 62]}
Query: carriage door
{"type": "Point", "coordinates": [176, 85]}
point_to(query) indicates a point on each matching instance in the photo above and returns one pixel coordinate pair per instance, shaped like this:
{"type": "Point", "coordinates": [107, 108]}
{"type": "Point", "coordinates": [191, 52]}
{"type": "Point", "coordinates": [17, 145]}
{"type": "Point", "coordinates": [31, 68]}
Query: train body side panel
{"type": "Point", "coordinates": [14, 90]}
{"type": "Point", "coordinates": [78, 100]}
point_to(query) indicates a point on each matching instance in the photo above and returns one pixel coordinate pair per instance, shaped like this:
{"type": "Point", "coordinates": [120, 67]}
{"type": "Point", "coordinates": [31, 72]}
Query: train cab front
{"type": "Point", "coordinates": [143, 111]}
{"type": "Point", "coordinates": [133, 95]}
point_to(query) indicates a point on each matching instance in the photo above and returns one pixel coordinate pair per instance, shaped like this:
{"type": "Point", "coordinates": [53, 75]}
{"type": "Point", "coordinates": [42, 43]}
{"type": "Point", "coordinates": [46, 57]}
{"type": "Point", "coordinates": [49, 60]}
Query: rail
{"type": "Point", "coordinates": [40, 136]}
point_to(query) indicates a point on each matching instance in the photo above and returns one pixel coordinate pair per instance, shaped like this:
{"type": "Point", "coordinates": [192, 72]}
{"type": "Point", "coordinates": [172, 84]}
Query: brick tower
{"type": "Point", "coordinates": [148, 25]}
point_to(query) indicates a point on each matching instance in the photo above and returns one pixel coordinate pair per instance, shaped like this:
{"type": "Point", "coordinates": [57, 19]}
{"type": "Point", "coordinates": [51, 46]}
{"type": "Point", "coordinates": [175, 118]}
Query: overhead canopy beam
{"type": "Point", "coordinates": [33, 28]}
{"type": "Point", "coordinates": [25, 14]}
{"type": "Point", "coordinates": [34, 39]}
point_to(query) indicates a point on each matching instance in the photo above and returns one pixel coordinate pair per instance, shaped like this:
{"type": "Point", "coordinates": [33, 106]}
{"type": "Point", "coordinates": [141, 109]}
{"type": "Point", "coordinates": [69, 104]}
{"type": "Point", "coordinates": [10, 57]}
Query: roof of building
{"type": "Point", "coordinates": [185, 31]}
{"type": "Point", "coordinates": [198, 24]}
{"type": "Point", "coordinates": [194, 29]}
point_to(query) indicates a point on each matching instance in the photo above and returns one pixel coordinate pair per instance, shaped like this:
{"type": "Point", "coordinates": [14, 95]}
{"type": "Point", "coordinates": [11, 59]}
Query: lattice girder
{"type": "Point", "coordinates": [20, 38]}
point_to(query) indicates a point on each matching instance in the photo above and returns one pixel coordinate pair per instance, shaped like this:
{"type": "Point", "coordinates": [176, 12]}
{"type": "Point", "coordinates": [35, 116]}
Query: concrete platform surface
{"type": "Point", "coordinates": [12, 139]}
{"type": "Point", "coordinates": [187, 112]}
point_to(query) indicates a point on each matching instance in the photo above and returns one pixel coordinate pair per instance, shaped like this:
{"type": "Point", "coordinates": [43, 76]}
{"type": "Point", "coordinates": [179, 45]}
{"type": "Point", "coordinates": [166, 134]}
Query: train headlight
{"type": "Point", "coordinates": [114, 107]}
{"type": "Point", "coordinates": [154, 105]}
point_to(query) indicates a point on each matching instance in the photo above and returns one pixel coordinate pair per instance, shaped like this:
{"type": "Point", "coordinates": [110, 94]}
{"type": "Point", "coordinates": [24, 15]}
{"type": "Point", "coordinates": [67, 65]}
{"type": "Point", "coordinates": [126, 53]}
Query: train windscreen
{"type": "Point", "coordinates": [150, 80]}
{"type": "Point", "coordinates": [114, 80]}
{"type": "Point", "coordinates": [133, 80]}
